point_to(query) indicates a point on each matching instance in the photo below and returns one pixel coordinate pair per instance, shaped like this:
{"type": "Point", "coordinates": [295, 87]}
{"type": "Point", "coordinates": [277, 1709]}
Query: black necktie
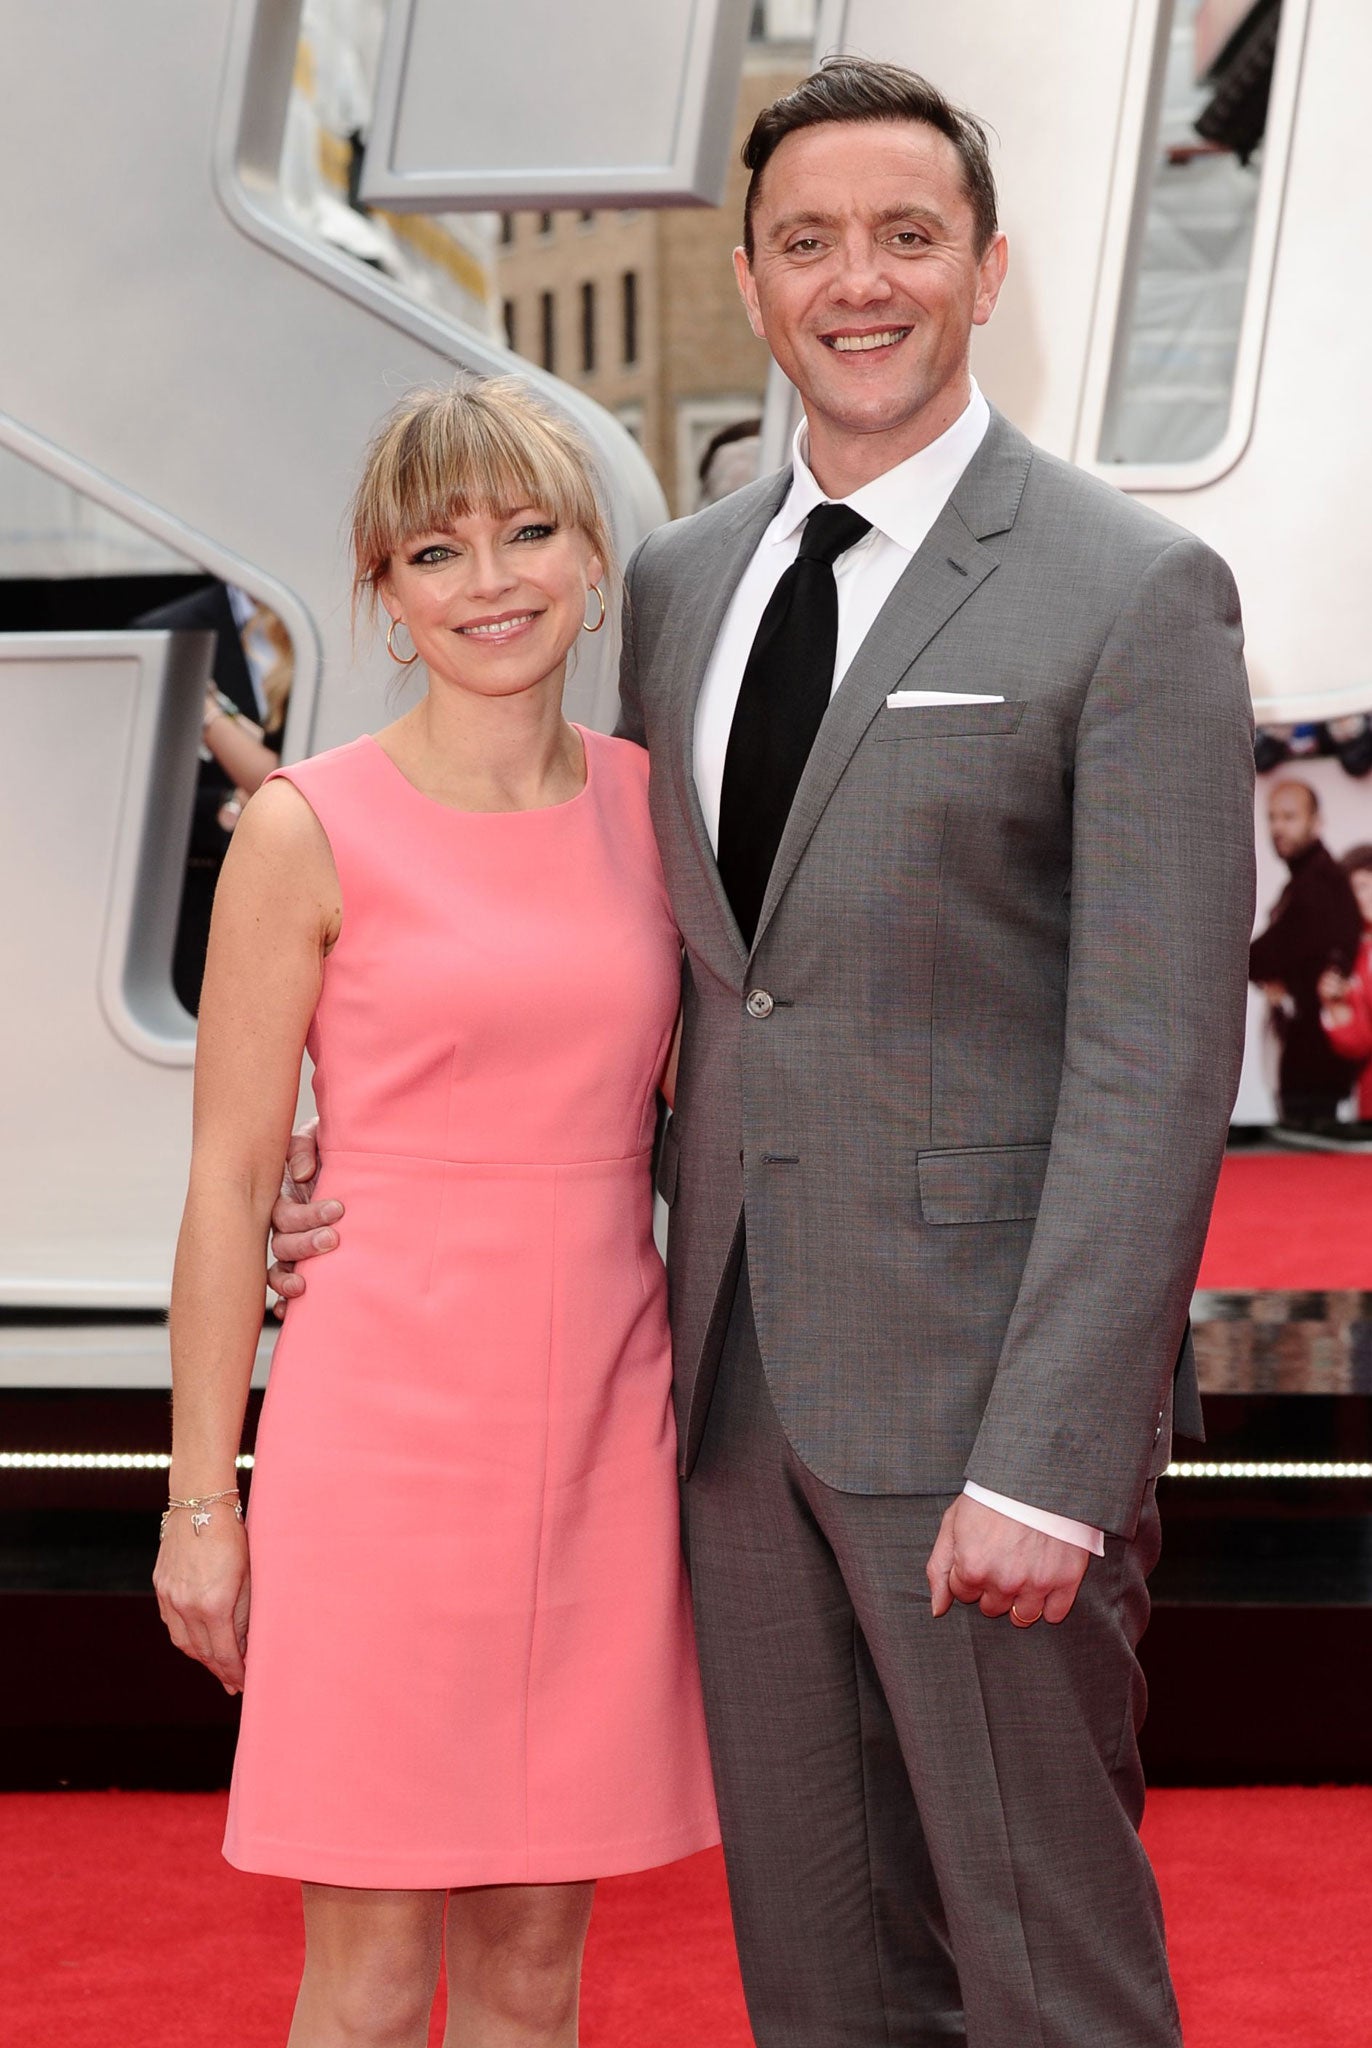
{"type": "Point", "coordinates": [785, 692]}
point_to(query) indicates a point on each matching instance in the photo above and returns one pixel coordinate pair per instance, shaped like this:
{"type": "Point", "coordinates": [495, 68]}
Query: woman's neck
{"type": "Point", "coordinates": [513, 753]}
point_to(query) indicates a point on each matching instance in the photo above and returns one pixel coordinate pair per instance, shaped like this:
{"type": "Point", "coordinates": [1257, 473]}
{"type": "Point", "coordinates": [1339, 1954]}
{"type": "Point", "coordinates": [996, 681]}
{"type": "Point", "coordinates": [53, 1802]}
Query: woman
{"type": "Point", "coordinates": [470, 1681]}
{"type": "Point", "coordinates": [1346, 999]}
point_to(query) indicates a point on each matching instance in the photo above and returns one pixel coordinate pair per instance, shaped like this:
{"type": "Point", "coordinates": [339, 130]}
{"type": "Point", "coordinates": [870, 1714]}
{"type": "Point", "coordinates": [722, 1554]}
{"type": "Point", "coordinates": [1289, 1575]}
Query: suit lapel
{"type": "Point", "coordinates": [715, 577]}
{"type": "Point", "coordinates": [948, 568]}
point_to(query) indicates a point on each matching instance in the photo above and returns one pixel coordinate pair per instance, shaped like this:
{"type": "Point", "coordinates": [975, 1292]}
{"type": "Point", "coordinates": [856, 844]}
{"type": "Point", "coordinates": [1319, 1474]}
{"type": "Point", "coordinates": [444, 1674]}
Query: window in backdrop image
{"type": "Point", "coordinates": [1192, 285]}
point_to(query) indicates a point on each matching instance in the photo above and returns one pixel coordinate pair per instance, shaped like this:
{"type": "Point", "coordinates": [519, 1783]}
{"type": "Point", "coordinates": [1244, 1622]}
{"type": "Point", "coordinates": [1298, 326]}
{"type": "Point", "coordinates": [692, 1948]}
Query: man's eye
{"type": "Point", "coordinates": [909, 238]}
{"type": "Point", "coordinates": [803, 245]}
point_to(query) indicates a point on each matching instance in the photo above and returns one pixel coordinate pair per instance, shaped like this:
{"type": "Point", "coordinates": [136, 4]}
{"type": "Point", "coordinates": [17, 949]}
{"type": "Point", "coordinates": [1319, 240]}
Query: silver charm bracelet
{"type": "Point", "coordinates": [201, 1506]}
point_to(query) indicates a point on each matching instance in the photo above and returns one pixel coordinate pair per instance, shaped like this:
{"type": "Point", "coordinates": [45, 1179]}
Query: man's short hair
{"type": "Point", "coordinates": [860, 89]}
{"type": "Point", "coordinates": [737, 430]}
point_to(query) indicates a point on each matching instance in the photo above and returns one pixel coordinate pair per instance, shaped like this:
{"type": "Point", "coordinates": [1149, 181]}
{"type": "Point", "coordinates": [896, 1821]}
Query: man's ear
{"type": "Point", "coordinates": [747, 287]}
{"type": "Point", "coordinates": [990, 278]}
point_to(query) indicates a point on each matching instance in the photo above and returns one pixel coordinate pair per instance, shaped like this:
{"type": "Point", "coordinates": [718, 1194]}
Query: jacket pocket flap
{"type": "Point", "coordinates": [947, 721]}
{"type": "Point", "coordinates": [668, 1161]}
{"type": "Point", "coordinates": [982, 1183]}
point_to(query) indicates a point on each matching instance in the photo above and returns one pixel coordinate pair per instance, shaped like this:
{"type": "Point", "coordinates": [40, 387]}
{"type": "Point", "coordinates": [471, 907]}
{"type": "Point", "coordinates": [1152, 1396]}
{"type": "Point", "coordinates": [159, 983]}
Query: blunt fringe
{"type": "Point", "coordinates": [861, 89]}
{"type": "Point", "coordinates": [481, 444]}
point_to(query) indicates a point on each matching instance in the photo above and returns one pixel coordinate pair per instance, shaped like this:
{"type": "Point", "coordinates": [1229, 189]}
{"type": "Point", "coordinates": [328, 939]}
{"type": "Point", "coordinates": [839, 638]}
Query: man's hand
{"type": "Point", "coordinates": [989, 1560]}
{"type": "Point", "coordinates": [301, 1229]}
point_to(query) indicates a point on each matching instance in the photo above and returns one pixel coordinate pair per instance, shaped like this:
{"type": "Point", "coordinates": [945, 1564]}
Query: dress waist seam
{"type": "Point", "coordinates": [329, 1153]}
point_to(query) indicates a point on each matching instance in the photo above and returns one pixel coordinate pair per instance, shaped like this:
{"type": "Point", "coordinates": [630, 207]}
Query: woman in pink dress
{"type": "Point", "coordinates": [469, 1683]}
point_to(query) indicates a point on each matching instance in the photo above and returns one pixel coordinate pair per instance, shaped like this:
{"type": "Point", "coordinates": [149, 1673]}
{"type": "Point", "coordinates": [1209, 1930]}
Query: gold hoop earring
{"type": "Point", "coordinates": [390, 647]}
{"type": "Point", "coordinates": [601, 620]}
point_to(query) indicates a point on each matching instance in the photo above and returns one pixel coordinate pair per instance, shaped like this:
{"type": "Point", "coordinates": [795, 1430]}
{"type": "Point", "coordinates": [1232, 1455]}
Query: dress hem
{"type": "Point", "coordinates": [264, 1857]}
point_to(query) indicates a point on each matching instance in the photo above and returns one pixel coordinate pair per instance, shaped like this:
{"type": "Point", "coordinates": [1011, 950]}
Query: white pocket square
{"type": "Point", "coordinates": [910, 700]}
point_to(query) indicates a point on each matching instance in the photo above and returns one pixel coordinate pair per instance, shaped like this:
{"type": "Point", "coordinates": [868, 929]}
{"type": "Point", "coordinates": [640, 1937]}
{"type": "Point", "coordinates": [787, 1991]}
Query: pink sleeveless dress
{"type": "Point", "coordinates": [470, 1658]}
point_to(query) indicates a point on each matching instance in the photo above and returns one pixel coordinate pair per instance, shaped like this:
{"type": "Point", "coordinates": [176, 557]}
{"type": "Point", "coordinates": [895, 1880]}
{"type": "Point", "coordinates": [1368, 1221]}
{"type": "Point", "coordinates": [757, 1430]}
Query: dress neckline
{"type": "Point", "coordinates": [435, 803]}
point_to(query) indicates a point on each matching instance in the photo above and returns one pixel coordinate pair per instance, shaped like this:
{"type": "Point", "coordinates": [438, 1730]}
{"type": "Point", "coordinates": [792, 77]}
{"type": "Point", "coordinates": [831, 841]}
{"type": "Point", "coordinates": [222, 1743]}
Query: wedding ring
{"type": "Point", "coordinates": [1024, 1620]}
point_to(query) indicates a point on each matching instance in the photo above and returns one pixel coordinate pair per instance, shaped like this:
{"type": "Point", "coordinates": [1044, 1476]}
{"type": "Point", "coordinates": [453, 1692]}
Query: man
{"type": "Point", "coordinates": [963, 1019]}
{"type": "Point", "coordinates": [1315, 929]}
{"type": "Point", "coordinates": [729, 461]}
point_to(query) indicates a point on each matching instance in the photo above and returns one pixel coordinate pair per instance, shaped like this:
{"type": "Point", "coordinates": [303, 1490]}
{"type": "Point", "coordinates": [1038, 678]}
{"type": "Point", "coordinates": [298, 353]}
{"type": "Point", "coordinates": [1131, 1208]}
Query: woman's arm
{"type": "Point", "coordinates": [276, 913]}
{"type": "Point", "coordinates": [238, 746]}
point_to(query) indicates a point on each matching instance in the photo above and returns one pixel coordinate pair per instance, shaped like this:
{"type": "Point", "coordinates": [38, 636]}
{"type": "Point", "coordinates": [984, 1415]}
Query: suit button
{"type": "Point", "coordinates": [758, 1003]}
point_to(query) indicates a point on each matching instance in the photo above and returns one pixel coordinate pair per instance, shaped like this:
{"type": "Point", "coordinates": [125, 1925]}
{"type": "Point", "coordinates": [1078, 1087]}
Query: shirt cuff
{"type": "Point", "coordinates": [1061, 1526]}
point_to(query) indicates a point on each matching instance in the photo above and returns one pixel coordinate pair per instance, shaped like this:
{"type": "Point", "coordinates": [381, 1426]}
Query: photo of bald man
{"type": "Point", "coordinates": [1314, 927]}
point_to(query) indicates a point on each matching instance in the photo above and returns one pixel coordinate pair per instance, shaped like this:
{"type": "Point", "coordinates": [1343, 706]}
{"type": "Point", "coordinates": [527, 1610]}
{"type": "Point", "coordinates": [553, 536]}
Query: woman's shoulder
{"type": "Point", "coordinates": [340, 786]}
{"type": "Point", "coordinates": [281, 853]}
{"type": "Point", "coordinates": [337, 768]}
{"type": "Point", "coordinates": [621, 761]}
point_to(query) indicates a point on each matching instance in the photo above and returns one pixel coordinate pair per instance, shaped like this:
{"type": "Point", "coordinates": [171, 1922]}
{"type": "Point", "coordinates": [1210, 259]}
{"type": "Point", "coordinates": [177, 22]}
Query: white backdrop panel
{"type": "Point", "coordinates": [523, 103]}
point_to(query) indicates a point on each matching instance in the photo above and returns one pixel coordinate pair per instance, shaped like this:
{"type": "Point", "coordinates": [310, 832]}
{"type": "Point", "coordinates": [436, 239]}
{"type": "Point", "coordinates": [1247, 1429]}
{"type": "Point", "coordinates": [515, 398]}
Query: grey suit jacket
{"type": "Point", "coordinates": [976, 1136]}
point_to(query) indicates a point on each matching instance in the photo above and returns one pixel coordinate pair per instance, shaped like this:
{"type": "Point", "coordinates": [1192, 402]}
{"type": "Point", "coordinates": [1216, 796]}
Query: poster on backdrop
{"type": "Point", "coordinates": [1308, 1060]}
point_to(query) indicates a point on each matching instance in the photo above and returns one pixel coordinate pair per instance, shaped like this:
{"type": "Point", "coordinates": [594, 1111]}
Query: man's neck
{"type": "Point", "coordinates": [842, 461]}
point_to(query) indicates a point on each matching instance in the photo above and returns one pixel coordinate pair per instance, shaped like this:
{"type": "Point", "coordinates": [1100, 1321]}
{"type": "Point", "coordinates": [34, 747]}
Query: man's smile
{"type": "Point", "coordinates": [863, 343]}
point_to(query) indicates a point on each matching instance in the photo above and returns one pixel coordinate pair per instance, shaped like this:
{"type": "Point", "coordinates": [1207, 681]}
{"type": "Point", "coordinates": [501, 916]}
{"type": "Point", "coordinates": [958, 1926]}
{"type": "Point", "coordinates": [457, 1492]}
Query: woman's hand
{"type": "Point", "coordinates": [231, 810]}
{"type": "Point", "coordinates": [203, 1589]}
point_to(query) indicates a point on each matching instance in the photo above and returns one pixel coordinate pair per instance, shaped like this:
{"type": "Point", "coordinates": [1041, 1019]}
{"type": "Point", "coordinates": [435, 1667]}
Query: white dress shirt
{"type": "Point", "coordinates": [902, 505]}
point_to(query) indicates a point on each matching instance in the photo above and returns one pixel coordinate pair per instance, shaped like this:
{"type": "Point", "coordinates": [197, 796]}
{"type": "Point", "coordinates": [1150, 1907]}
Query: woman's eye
{"type": "Point", "coordinates": [434, 553]}
{"type": "Point", "coordinates": [535, 532]}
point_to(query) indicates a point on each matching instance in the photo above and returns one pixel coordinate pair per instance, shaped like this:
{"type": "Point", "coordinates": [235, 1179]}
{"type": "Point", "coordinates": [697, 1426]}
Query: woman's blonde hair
{"type": "Point", "coordinates": [478, 445]}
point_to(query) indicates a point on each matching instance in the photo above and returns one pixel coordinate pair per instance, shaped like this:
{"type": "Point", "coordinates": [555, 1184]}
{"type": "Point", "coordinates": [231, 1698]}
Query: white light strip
{"type": "Point", "coordinates": [96, 1461]}
{"type": "Point", "coordinates": [159, 1461]}
{"type": "Point", "coordinates": [1217, 1470]}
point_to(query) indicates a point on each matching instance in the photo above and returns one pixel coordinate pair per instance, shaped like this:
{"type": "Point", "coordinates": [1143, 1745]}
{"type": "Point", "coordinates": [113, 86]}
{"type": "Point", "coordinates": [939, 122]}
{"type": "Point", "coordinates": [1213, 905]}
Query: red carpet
{"type": "Point", "coordinates": [123, 1929]}
{"type": "Point", "coordinates": [1291, 1220]}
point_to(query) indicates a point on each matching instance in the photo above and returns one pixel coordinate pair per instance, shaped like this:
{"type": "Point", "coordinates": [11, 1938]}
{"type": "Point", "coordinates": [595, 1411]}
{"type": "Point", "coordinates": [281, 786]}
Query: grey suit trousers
{"type": "Point", "coordinates": [931, 1827]}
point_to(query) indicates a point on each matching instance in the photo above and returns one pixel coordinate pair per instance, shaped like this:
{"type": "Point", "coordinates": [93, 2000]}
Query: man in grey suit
{"type": "Point", "coordinates": [951, 773]}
